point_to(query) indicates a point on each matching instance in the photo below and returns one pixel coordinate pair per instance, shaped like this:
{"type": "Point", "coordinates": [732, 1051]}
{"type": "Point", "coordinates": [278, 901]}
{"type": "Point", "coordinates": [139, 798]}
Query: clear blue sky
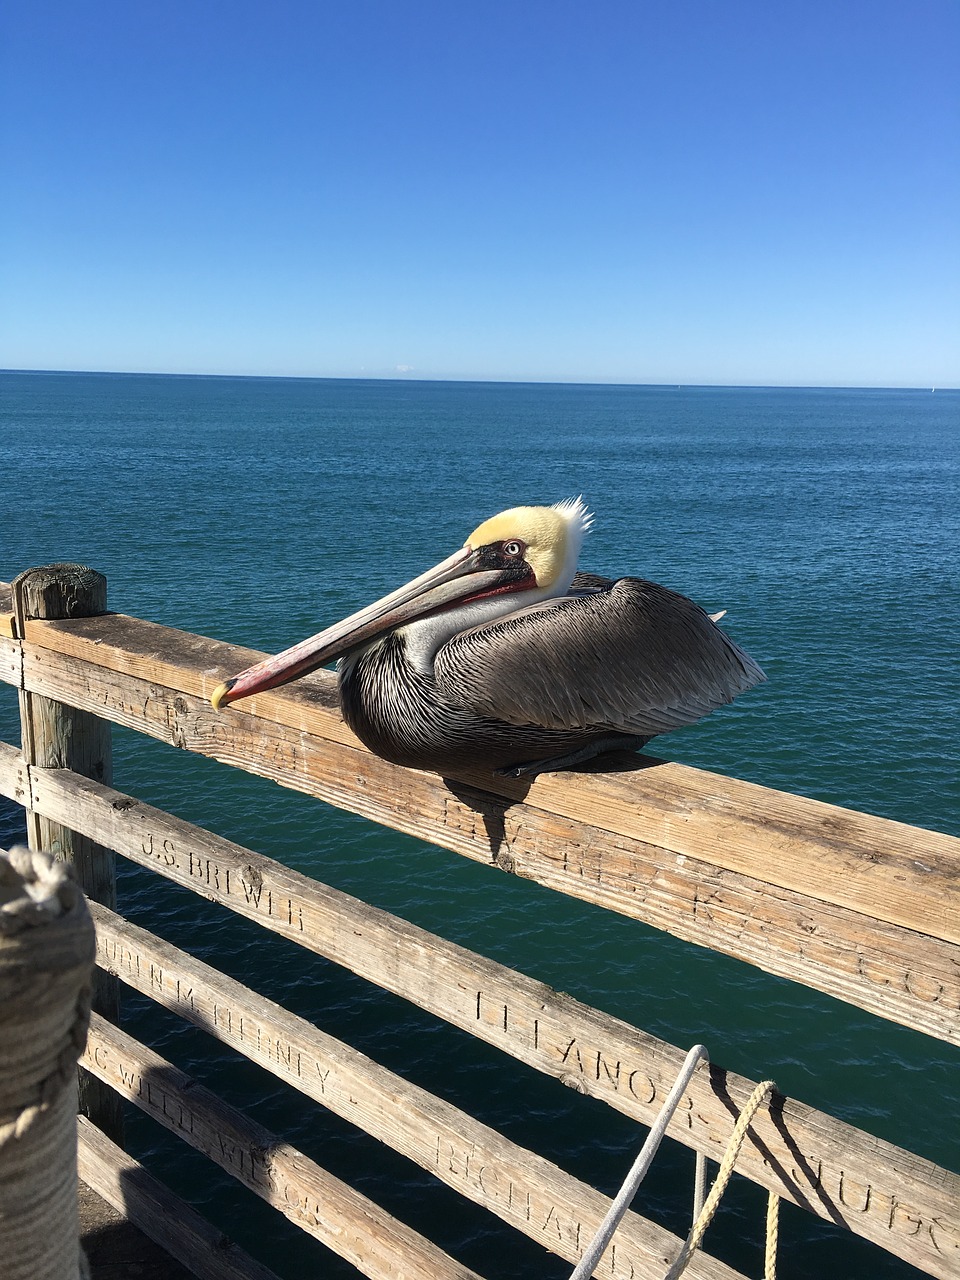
{"type": "Point", "coordinates": [679, 191]}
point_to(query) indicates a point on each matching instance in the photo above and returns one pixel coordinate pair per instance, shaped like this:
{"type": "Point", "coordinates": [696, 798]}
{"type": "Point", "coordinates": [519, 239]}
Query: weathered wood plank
{"type": "Point", "coordinates": [862, 961]}
{"type": "Point", "coordinates": [587, 1050]}
{"type": "Point", "coordinates": [7, 621]}
{"type": "Point", "coordinates": [802, 1154]}
{"type": "Point", "coordinates": [11, 661]}
{"type": "Point", "coordinates": [904, 975]}
{"type": "Point", "coordinates": [893, 872]}
{"type": "Point", "coordinates": [347, 1222]}
{"type": "Point", "coordinates": [158, 1212]}
{"type": "Point", "coordinates": [906, 1191]}
{"type": "Point", "coordinates": [532, 1195]}
{"type": "Point", "coordinates": [468, 1156]}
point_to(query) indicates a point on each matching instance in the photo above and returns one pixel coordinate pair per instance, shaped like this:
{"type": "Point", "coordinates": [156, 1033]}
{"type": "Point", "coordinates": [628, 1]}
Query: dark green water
{"type": "Point", "coordinates": [826, 522]}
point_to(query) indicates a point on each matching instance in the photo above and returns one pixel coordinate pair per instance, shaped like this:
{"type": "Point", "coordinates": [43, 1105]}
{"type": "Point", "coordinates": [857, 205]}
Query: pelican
{"type": "Point", "coordinates": [503, 657]}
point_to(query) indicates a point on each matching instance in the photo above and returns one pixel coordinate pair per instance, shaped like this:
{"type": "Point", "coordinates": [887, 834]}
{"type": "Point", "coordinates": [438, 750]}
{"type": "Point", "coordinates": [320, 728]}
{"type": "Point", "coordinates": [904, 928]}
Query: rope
{"type": "Point", "coordinates": [692, 1242]}
{"type": "Point", "coordinates": [773, 1235]}
{"type": "Point", "coordinates": [703, 1211]}
{"type": "Point", "coordinates": [595, 1250]}
{"type": "Point", "coordinates": [46, 957]}
{"type": "Point", "coordinates": [699, 1185]}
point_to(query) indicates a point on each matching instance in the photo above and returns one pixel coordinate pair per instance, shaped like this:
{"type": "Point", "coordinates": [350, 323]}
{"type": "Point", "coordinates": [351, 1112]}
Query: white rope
{"type": "Point", "coordinates": [621, 1203]}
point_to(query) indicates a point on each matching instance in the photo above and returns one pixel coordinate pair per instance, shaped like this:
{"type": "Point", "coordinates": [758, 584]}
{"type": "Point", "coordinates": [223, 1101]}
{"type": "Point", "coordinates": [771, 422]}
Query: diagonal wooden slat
{"type": "Point", "coordinates": [544, 1203]}
{"type": "Point", "coordinates": [899, 1201]}
{"type": "Point", "coordinates": [160, 1214]}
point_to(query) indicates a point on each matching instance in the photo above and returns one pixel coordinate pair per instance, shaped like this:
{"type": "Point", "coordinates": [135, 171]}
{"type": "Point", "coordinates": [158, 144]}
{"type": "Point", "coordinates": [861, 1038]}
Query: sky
{"type": "Point", "coordinates": [686, 191]}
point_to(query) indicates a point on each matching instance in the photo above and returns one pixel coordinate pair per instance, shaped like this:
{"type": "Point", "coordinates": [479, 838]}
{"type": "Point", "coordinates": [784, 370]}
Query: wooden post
{"type": "Point", "coordinates": [57, 736]}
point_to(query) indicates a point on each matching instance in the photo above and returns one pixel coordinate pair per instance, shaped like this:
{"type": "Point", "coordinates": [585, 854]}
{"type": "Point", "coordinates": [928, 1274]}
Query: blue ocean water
{"type": "Point", "coordinates": [827, 523]}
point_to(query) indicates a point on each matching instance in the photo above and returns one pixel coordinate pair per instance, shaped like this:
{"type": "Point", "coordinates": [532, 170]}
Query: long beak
{"type": "Point", "coordinates": [457, 577]}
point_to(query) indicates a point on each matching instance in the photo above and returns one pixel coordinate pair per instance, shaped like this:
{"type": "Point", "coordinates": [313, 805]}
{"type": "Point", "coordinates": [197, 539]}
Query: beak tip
{"type": "Point", "coordinates": [221, 695]}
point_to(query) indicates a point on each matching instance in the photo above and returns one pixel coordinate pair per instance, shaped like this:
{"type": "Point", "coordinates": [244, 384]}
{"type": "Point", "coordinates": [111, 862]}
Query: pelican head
{"type": "Point", "coordinates": [515, 559]}
{"type": "Point", "coordinates": [550, 539]}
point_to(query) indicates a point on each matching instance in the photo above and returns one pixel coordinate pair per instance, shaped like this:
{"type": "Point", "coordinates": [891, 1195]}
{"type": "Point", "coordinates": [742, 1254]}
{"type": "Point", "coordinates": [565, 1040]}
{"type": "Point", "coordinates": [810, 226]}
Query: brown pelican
{"type": "Point", "coordinates": [503, 656]}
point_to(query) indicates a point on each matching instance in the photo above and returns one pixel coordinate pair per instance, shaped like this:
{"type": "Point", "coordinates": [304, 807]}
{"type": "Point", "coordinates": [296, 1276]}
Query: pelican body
{"type": "Point", "coordinates": [503, 657]}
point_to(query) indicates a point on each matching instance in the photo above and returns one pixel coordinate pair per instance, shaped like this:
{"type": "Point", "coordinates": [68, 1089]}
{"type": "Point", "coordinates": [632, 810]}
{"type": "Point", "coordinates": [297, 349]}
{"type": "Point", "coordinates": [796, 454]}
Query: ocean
{"type": "Point", "coordinates": [826, 523]}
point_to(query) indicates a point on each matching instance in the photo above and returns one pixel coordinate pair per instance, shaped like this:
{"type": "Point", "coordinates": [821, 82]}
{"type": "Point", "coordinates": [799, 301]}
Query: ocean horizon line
{"type": "Point", "coordinates": [478, 381]}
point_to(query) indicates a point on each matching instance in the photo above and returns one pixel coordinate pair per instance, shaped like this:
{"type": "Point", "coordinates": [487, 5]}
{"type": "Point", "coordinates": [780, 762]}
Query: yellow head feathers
{"type": "Point", "coordinates": [552, 535]}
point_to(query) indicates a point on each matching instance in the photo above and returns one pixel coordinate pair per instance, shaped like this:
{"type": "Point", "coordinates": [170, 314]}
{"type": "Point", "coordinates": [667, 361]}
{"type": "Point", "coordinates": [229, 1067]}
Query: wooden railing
{"type": "Point", "coordinates": [859, 907]}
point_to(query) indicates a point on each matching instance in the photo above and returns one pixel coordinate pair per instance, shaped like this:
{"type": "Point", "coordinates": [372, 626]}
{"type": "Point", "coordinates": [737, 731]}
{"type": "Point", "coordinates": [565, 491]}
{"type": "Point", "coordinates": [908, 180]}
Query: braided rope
{"type": "Point", "coordinates": [692, 1242]}
{"type": "Point", "coordinates": [773, 1236]}
{"type": "Point", "coordinates": [46, 957]}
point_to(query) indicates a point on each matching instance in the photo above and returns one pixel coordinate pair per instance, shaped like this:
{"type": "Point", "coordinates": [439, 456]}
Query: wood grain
{"type": "Point", "coordinates": [160, 1214]}
{"type": "Point", "coordinates": [787, 1141]}
{"type": "Point", "coordinates": [347, 1222]}
{"type": "Point", "coordinates": [861, 907]}
{"type": "Point", "coordinates": [803, 1155]}
{"type": "Point", "coordinates": [910, 975]}
{"type": "Point", "coordinates": [896, 873]}
{"type": "Point", "coordinates": [56, 735]}
{"type": "Point", "coordinates": [541, 1201]}
{"type": "Point", "coordinates": [7, 621]}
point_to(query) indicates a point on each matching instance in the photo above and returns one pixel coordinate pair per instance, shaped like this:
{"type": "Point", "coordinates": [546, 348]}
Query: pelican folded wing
{"type": "Point", "coordinates": [637, 658]}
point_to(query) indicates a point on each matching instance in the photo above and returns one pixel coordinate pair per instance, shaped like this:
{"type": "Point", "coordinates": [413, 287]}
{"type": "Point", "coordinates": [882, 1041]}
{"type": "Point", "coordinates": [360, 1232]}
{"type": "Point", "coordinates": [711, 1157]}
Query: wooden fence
{"type": "Point", "coordinates": [859, 907]}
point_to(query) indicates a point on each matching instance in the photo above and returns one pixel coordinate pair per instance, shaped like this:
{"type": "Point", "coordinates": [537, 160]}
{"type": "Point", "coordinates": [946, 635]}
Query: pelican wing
{"type": "Point", "coordinates": [635, 658]}
{"type": "Point", "coordinates": [589, 583]}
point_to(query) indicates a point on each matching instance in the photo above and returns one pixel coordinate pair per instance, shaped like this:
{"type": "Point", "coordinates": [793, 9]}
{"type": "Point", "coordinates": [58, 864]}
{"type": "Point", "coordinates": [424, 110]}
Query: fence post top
{"type": "Point", "coordinates": [56, 591]}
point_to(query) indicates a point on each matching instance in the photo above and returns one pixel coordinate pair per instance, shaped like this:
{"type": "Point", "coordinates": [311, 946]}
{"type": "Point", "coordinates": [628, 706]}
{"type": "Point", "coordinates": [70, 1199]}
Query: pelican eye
{"type": "Point", "coordinates": [513, 548]}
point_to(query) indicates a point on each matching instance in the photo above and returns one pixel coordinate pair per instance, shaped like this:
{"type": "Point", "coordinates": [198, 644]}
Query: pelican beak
{"type": "Point", "coordinates": [465, 574]}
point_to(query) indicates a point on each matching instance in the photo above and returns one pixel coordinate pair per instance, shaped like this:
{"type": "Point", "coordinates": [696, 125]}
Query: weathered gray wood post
{"type": "Point", "coordinates": [57, 736]}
